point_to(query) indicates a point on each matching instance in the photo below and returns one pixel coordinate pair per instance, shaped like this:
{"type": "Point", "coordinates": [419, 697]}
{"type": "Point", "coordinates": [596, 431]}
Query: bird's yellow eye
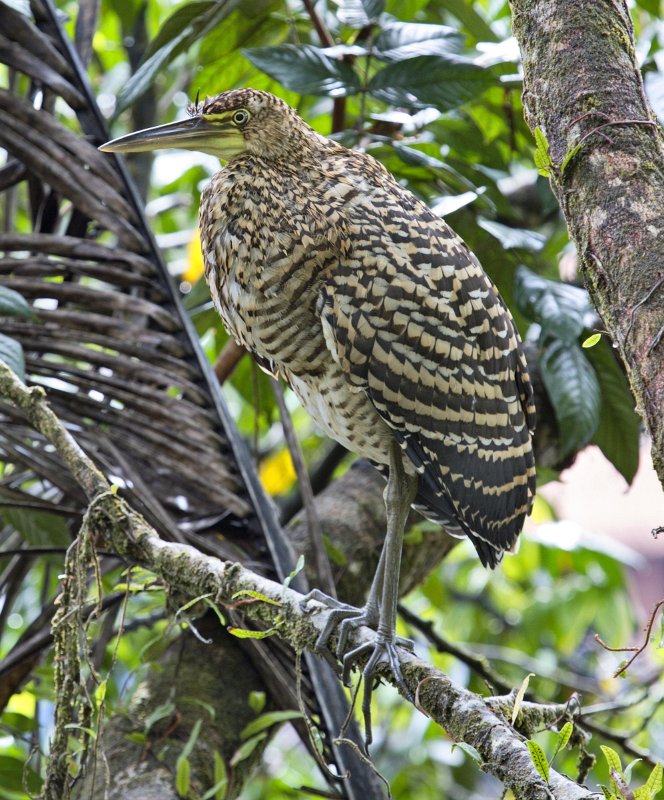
{"type": "Point", "coordinates": [240, 117]}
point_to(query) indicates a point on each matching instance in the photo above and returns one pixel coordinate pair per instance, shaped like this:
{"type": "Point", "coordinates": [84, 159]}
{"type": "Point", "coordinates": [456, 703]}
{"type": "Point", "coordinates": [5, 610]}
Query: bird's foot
{"type": "Point", "coordinates": [384, 649]}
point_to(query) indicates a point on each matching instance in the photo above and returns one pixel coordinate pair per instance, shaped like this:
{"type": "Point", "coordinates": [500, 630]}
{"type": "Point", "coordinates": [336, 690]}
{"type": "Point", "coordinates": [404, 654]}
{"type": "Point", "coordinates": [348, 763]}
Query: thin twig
{"type": "Point", "coordinates": [230, 356]}
{"type": "Point", "coordinates": [636, 650]}
{"type": "Point", "coordinates": [323, 570]}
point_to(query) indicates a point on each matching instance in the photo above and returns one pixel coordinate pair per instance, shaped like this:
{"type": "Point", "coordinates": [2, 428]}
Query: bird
{"type": "Point", "coordinates": [382, 322]}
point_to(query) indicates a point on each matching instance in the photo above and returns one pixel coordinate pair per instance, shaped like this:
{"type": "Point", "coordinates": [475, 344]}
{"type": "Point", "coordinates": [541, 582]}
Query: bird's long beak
{"type": "Point", "coordinates": [194, 133]}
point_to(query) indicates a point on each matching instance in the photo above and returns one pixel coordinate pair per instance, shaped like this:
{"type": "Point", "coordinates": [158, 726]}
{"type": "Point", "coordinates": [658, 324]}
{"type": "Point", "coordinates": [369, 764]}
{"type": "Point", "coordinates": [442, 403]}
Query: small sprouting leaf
{"type": "Point", "coordinates": [539, 759]}
{"type": "Point", "coordinates": [220, 777]}
{"type": "Point", "coordinates": [160, 712]}
{"type": "Point", "coordinates": [469, 750]}
{"type": "Point", "coordinates": [592, 340]}
{"type": "Point", "coordinates": [243, 633]}
{"type": "Point", "coordinates": [255, 596]}
{"type": "Point", "coordinates": [520, 694]}
{"type": "Point", "coordinates": [627, 772]}
{"type": "Point", "coordinates": [613, 760]}
{"type": "Point", "coordinates": [296, 571]}
{"type": "Point", "coordinates": [11, 353]}
{"type": "Point", "coordinates": [542, 158]}
{"type": "Point", "coordinates": [13, 304]}
{"type": "Point", "coordinates": [267, 721]}
{"type": "Point", "coordinates": [182, 776]}
{"type": "Point", "coordinates": [654, 783]}
{"type": "Point", "coordinates": [564, 735]}
{"type": "Point", "coordinates": [569, 155]}
{"type": "Point", "coordinates": [191, 741]}
{"type": "Point", "coordinates": [607, 794]}
{"type": "Point", "coordinates": [247, 748]}
{"type": "Point", "coordinates": [257, 701]}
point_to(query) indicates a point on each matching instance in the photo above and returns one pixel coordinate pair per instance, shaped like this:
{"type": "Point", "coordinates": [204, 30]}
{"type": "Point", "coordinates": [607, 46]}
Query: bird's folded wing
{"type": "Point", "coordinates": [435, 349]}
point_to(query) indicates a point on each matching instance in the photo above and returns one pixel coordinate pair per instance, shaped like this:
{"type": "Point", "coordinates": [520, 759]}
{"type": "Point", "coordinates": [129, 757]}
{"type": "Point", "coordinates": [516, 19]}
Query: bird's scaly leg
{"type": "Point", "coordinates": [380, 610]}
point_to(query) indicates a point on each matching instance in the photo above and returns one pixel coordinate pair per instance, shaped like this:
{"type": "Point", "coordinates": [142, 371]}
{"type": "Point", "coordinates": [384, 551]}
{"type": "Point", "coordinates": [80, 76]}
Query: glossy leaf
{"type": "Point", "coordinates": [574, 392]}
{"type": "Point", "coordinates": [305, 69]}
{"type": "Point", "coordinates": [619, 426]}
{"type": "Point", "coordinates": [513, 238]}
{"type": "Point", "coordinates": [13, 304]}
{"type": "Point", "coordinates": [247, 748]}
{"type": "Point", "coordinates": [267, 721]}
{"type": "Point", "coordinates": [560, 308]}
{"type": "Point", "coordinates": [444, 81]}
{"type": "Point", "coordinates": [400, 40]}
{"type": "Point", "coordinates": [11, 353]}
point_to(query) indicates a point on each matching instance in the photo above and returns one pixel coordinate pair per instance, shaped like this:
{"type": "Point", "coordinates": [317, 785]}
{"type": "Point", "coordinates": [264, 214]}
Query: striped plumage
{"type": "Point", "coordinates": [380, 319]}
{"type": "Point", "coordinates": [376, 314]}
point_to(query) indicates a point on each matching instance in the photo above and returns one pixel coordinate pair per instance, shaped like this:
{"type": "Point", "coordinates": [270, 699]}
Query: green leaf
{"type": "Point", "coordinates": [613, 761]}
{"type": "Point", "coordinates": [627, 772]}
{"type": "Point", "coordinates": [37, 527]}
{"type": "Point", "coordinates": [359, 13]}
{"type": "Point", "coordinates": [654, 783]}
{"type": "Point", "coordinates": [182, 776]}
{"type": "Point", "coordinates": [564, 735]}
{"type": "Point", "coordinates": [299, 566]}
{"type": "Point", "coordinates": [243, 633]}
{"type": "Point", "coordinates": [539, 759]}
{"type": "Point", "coordinates": [184, 28]}
{"type": "Point", "coordinates": [591, 341]}
{"type": "Point", "coordinates": [191, 741]}
{"type": "Point", "coordinates": [257, 701]}
{"type": "Point", "coordinates": [256, 596]}
{"type": "Point", "coordinates": [445, 81]}
{"type": "Point", "coordinates": [305, 69]}
{"type": "Point", "coordinates": [513, 238]}
{"type": "Point", "coordinates": [574, 391]}
{"type": "Point", "coordinates": [469, 750]}
{"type": "Point", "coordinates": [619, 428]}
{"type": "Point", "coordinates": [607, 794]}
{"type": "Point", "coordinates": [267, 721]}
{"type": "Point", "coordinates": [400, 40]}
{"type": "Point", "coordinates": [220, 778]}
{"type": "Point", "coordinates": [160, 712]}
{"type": "Point", "coordinates": [11, 353]}
{"type": "Point", "coordinates": [13, 304]}
{"type": "Point", "coordinates": [560, 308]}
{"type": "Point", "coordinates": [247, 748]}
{"type": "Point", "coordinates": [541, 157]}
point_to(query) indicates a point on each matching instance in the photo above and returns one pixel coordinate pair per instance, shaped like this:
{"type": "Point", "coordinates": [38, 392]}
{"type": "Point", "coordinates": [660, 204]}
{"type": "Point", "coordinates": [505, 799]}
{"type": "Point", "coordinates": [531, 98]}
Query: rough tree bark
{"type": "Point", "coordinates": [583, 89]}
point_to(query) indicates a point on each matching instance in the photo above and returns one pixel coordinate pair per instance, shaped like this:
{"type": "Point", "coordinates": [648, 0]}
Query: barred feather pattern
{"type": "Point", "coordinates": [377, 315]}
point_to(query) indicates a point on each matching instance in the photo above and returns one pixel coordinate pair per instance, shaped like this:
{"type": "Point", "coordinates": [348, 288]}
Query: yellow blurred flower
{"type": "Point", "coordinates": [277, 473]}
{"type": "Point", "coordinates": [194, 268]}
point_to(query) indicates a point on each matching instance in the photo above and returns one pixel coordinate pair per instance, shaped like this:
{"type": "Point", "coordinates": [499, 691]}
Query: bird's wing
{"type": "Point", "coordinates": [415, 322]}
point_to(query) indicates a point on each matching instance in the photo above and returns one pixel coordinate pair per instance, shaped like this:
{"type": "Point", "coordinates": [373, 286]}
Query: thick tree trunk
{"type": "Point", "coordinates": [583, 89]}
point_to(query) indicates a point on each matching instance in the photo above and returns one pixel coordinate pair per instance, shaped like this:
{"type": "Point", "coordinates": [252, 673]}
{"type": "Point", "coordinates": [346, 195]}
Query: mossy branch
{"type": "Point", "coordinates": [465, 716]}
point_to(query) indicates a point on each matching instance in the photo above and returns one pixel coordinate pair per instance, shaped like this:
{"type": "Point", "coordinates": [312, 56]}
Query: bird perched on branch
{"type": "Point", "coordinates": [379, 318]}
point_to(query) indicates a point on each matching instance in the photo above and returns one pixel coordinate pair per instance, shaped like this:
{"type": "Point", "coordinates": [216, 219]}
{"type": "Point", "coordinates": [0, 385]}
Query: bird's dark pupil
{"type": "Point", "coordinates": [240, 117]}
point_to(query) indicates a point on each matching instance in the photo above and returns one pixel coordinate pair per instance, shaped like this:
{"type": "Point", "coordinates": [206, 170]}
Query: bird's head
{"type": "Point", "coordinates": [232, 123]}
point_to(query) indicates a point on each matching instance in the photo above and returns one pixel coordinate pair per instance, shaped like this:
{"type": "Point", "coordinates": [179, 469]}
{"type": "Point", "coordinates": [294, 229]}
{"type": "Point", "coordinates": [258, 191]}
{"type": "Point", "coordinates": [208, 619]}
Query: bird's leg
{"type": "Point", "coordinates": [399, 494]}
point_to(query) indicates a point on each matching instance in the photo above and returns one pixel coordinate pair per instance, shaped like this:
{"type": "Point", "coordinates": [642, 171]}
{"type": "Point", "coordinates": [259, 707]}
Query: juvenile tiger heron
{"type": "Point", "coordinates": [378, 317]}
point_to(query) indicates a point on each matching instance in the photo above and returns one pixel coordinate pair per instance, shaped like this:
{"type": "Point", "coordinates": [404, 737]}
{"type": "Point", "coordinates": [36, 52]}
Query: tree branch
{"type": "Point", "coordinates": [463, 715]}
{"type": "Point", "coordinates": [583, 89]}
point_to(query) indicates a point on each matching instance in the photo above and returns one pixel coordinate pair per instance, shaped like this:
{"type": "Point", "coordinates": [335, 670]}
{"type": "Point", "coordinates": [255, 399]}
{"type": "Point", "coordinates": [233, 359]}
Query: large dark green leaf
{"type": "Point", "coordinates": [12, 304]}
{"type": "Point", "coordinates": [512, 238]}
{"type": "Point", "coordinates": [445, 81]}
{"type": "Point", "coordinates": [359, 13]}
{"type": "Point", "coordinates": [401, 40]}
{"type": "Point", "coordinates": [619, 425]}
{"type": "Point", "coordinates": [11, 353]}
{"type": "Point", "coordinates": [305, 69]}
{"type": "Point", "coordinates": [38, 528]}
{"type": "Point", "coordinates": [181, 30]}
{"type": "Point", "coordinates": [574, 391]}
{"type": "Point", "coordinates": [560, 308]}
